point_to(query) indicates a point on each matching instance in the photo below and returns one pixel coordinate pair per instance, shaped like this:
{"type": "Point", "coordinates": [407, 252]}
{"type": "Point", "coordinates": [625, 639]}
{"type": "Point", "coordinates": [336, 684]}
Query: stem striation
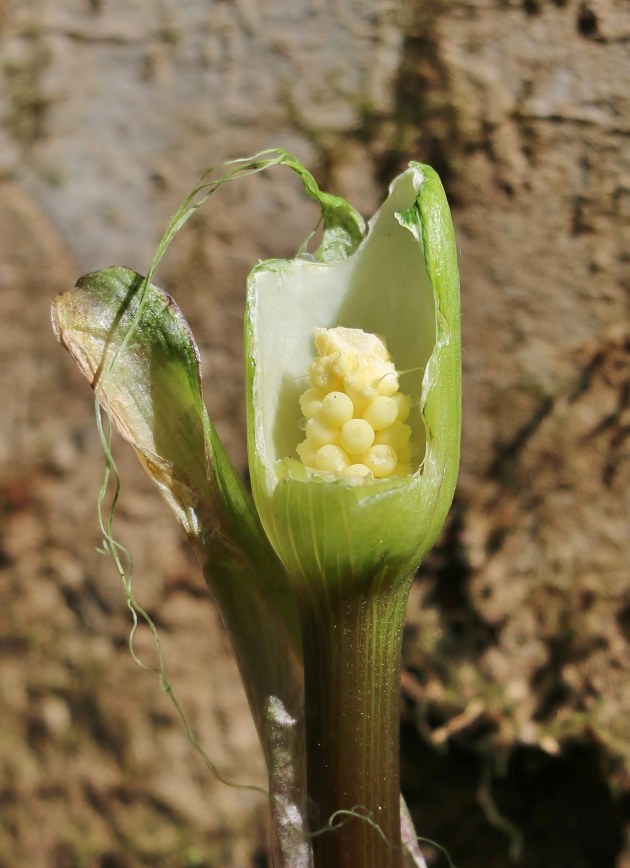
{"type": "Point", "coordinates": [352, 651]}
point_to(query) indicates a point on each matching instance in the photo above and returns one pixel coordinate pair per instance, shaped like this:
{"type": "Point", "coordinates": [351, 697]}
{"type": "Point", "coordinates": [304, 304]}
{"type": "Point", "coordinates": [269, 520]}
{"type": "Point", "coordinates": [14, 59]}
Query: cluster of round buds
{"type": "Point", "coordinates": [355, 415]}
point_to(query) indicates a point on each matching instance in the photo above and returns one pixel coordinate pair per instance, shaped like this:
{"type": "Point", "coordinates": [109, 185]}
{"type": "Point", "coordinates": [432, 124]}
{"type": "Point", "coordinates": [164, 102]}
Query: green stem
{"type": "Point", "coordinates": [352, 649]}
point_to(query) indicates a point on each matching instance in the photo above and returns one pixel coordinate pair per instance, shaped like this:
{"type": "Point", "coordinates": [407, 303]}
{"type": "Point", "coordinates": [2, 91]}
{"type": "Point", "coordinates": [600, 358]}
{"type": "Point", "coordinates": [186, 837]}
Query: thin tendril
{"type": "Point", "coordinates": [111, 477]}
{"type": "Point", "coordinates": [339, 818]}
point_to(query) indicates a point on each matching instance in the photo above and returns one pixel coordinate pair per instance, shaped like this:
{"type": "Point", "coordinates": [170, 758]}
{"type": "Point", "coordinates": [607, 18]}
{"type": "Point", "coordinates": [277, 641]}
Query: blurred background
{"type": "Point", "coordinates": [516, 695]}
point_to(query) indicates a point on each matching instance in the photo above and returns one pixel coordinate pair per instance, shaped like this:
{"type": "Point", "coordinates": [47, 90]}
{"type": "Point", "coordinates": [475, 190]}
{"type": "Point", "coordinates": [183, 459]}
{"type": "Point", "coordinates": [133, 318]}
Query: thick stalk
{"type": "Point", "coordinates": [352, 649]}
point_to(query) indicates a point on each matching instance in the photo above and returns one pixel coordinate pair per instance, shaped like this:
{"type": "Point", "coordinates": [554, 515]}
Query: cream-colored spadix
{"type": "Point", "coordinates": [354, 412]}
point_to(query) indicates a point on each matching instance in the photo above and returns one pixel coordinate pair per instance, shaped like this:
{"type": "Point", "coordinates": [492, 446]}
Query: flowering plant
{"type": "Point", "coordinates": [312, 572]}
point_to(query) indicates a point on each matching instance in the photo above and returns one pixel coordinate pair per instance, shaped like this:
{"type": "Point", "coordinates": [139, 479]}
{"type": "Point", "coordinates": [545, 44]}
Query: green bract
{"type": "Point", "coordinates": [399, 280]}
{"type": "Point", "coordinates": [154, 397]}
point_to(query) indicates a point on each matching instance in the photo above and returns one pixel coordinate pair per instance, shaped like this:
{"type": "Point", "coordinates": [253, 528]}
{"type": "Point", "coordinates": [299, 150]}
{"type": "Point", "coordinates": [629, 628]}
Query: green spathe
{"type": "Point", "coordinates": [400, 281]}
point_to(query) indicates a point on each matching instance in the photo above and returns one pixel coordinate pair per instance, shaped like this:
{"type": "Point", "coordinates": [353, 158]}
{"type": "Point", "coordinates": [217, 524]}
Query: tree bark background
{"type": "Point", "coordinates": [516, 696]}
